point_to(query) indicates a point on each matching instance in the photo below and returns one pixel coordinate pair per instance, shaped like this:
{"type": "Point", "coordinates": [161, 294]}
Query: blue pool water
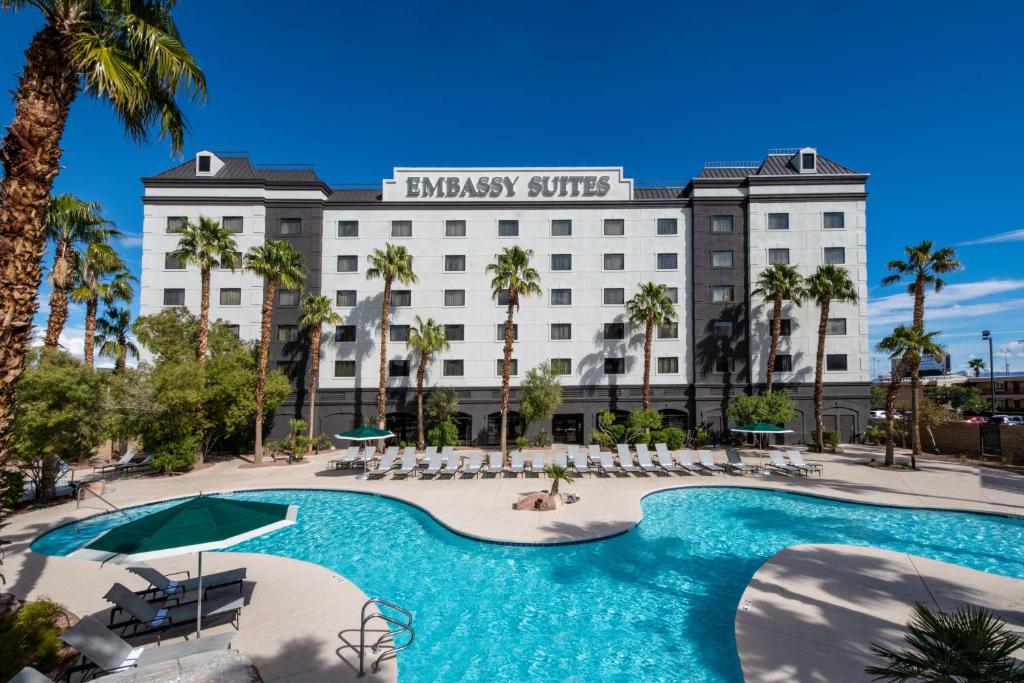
{"type": "Point", "coordinates": [656, 603]}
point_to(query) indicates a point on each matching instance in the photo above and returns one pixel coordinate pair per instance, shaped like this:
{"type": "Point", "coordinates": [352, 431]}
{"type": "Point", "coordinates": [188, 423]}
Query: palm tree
{"type": "Point", "coordinates": [280, 266]}
{"type": "Point", "coordinates": [70, 222]}
{"type": "Point", "coordinates": [513, 276]}
{"type": "Point", "coordinates": [391, 265]}
{"type": "Point", "coordinates": [318, 310]}
{"type": "Point", "coordinates": [922, 268]}
{"type": "Point", "coordinates": [112, 337]}
{"type": "Point", "coordinates": [777, 283]}
{"type": "Point", "coordinates": [129, 54]}
{"type": "Point", "coordinates": [828, 283]}
{"type": "Point", "coordinates": [102, 277]}
{"type": "Point", "coordinates": [208, 245]}
{"type": "Point", "coordinates": [649, 307]}
{"type": "Point", "coordinates": [557, 473]}
{"type": "Point", "coordinates": [977, 365]}
{"type": "Point", "coordinates": [427, 338]}
{"type": "Point", "coordinates": [909, 345]}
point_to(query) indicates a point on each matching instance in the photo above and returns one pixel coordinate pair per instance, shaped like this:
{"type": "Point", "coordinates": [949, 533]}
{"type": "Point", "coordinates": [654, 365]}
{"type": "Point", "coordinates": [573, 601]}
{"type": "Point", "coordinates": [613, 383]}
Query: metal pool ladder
{"type": "Point", "coordinates": [387, 650]}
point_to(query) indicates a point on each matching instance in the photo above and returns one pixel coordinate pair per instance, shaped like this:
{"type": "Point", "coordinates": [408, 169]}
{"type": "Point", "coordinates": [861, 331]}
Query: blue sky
{"type": "Point", "coordinates": [924, 96]}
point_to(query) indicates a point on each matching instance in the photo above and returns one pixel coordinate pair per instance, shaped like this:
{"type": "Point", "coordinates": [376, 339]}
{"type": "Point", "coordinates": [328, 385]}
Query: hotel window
{"type": "Point", "coordinates": [348, 264]}
{"type": "Point", "coordinates": [668, 365]}
{"type": "Point", "coordinates": [778, 221]}
{"type": "Point", "coordinates": [401, 298]}
{"type": "Point", "coordinates": [834, 220]}
{"type": "Point", "coordinates": [174, 297]}
{"type": "Point", "coordinates": [721, 259]}
{"type": "Point", "coordinates": [398, 368]}
{"type": "Point", "coordinates": [668, 261]}
{"type": "Point", "coordinates": [721, 293]}
{"type": "Point", "coordinates": [499, 331]}
{"type": "Point", "coordinates": [561, 228]}
{"type": "Point", "coordinates": [561, 331]}
{"type": "Point", "coordinates": [724, 365]}
{"type": "Point", "coordinates": [561, 297]}
{"type": "Point", "coordinates": [344, 368]}
{"type": "Point", "coordinates": [785, 326]}
{"type": "Point", "coordinates": [614, 227]}
{"type": "Point", "coordinates": [807, 161]}
{"type": "Point", "coordinates": [668, 226]}
{"type": "Point", "coordinates": [290, 226]}
{"type": "Point", "coordinates": [836, 362]}
{"type": "Point", "coordinates": [344, 334]}
{"type": "Point", "coordinates": [499, 367]}
{"type": "Point", "coordinates": [455, 228]}
{"type": "Point", "coordinates": [204, 163]}
{"type": "Point", "coordinates": [452, 368]}
{"type": "Point", "coordinates": [454, 263]}
{"type": "Point", "coordinates": [345, 298]}
{"type": "Point", "coordinates": [668, 330]}
{"type": "Point", "coordinates": [778, 255]}
{"type": "Point", "coordinates": [508, 228]}
{"type": "Point", "coordinates": [721, 224]}
{"type": "Point", "coordinates": [398, 333]}
{"type": "Point", "coordinates": [348, 228]}
{"type": "Point", "coordinates": [614, 331]}
{"type": "Point", "coordinates": [176, 223]}
{"type": "Point", "coordinates": [455, 333]}
{"type": "Point", "coordinates": [835, 327]}
{"type": "Point", "coordinates": [614, 262]}
{"type": "Point", "coordinates": [561, 262]}
{"type": "Point", "coordinates": [454, 297]}
{"type": "Point", "coordinates": [231, 296]}
{"type": "Point", "coordinates": [401, 228]}
{"type": "Point", "coordinates": [783, 363]}
{"type": "Point", "coordinates": [232, 224]}
{"type": "Point", "coordinates": [673, 294]}
{"type": "Point", "coordinates": [723, 328]}
{"type": "Point", "coordinates": [614, 296]}
{"type": "Point", "coordinates": [172, 262]}
{"type": "Point", "coordinates": [503, 297]}
{"type": "Point", "coordinates": [614, 366]}
{"type": "Point", "coordinates": [835, 255]}
{"type": "Point", "coordinates": [287, 333]}
{"type": "Point", "coordinates": [561, 366]}
{"type": "Point", "coordinates": [287, 297]}
{"type": "Point", "coordinates": [235, 330]}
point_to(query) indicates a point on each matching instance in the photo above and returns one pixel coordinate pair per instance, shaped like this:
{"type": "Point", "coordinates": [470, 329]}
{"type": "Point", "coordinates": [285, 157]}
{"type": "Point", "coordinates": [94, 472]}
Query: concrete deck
{"type": "Point", "coordinates": [812, 611]}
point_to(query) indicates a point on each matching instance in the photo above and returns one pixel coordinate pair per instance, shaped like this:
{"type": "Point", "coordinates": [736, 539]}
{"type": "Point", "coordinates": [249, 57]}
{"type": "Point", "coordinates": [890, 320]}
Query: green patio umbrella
{"type": "Point", "coordinates": [194, 526]}
{"type": "Point", "coordinates": [761, 428]}
{"type": "Point", "coordinates": [364, 434]}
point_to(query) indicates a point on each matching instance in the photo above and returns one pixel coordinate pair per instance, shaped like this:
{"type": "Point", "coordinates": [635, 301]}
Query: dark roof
{"type": "Point", "coordinates": [783, 164]}
{"type": "Point", "coordinates": [358, 195]}
{"type": "Point", "coordinates": [727, 172]}
{"type": "Point", "coordinates": [241, 168]}
{"type": "Point", "coordinates": [658, 193]}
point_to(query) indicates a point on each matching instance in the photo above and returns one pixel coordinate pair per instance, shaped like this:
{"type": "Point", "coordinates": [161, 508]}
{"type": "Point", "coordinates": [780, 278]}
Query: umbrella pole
{"type": "Point", "coordinates": [199, 601]}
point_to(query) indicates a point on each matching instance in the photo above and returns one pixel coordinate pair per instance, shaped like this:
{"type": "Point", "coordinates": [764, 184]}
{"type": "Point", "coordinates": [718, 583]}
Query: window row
{"type": "Point", "coordinates": [834, 362]}
{"type": "Point", "coordinates": [457, 332]}
{"type": "Point", "coordinates": [833, 255]}
{"type": "Point", "coordinates": [455, 367]}
{"type": "Point", "coordinates": [830, 220]}
{"type": "Point", "coordinates": [560, 227]}
{"type": "Point", "coordinates": [611, 296]}
{"type": "Point", "coordinates": [234, 224]}
{"type": "Point", "coordinates": [834, 327]}
{"type": "Point", "coordinates": [349, 263]}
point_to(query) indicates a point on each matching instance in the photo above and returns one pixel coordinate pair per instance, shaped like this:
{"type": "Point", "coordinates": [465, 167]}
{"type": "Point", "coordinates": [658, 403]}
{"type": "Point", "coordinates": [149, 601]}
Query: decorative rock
{"type": "Point", "coordinates": [540, 502]}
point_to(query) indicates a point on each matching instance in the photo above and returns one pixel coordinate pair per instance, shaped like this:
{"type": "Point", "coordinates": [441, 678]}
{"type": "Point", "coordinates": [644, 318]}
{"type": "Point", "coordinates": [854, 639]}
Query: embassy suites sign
{"type": "Point", "coordinates": [507, 185]}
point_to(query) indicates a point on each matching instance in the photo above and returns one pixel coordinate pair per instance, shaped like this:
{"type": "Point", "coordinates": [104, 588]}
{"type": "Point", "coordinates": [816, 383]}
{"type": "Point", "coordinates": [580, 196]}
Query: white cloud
{"type": "Point", "coordinates": [948, 303]}
{"type": "Point", "coordinates": [130, 240]}
{"type": "Point", "coordinates": [72, 340]}
{"type": "Point", "coordinates": [1009, 236]}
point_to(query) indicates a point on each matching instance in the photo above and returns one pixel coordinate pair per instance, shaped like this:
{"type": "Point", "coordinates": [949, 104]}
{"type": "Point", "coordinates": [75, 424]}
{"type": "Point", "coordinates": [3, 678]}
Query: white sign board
{"type": "Point", "coordinates": [507, 185]}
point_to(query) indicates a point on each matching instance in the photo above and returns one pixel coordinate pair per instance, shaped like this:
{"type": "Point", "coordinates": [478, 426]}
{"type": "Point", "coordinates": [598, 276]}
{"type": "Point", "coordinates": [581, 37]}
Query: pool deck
{"type": "Point", "coordinates": [301, 618]}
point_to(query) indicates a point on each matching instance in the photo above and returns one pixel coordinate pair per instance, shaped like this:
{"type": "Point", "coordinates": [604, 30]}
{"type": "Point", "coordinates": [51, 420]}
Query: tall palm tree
{"type": "Point", "coordinates": [208, 245]}
{"type": "Point", "coordinates": [427, 338]}
{"type": "Point", "coordinates": [512, 275]}
{"type": "Point", "coordinates": [909, 345]}
{"type": "Point", "coordinates": [317, 311]}
{"type": "Point", "coordinates": [129, 54]}
{"type": "Point", "coordinates": [650, 307]}
{"type": "Point", "coordinates": [777, 283]}
{"type": "Point", "coordinates": [112, 337]}
{"type": "Point", "coordinates": [922, 268]}
{"type": "Point", "coordinates": [280, 266]}
{"type": "Point", "coordinates": [102, 277]}
{"type": "Point", "coordinates": [977, 365]}
{"type": "Point", "coordinates": [828, 283]}
{"type": "Point", "coordinates": [70, 222]}
{"type": "Point", "coordinates": [393, 264]}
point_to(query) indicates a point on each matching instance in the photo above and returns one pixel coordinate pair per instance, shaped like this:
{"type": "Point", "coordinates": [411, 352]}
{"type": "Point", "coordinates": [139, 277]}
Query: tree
{"type": "Point", "coordinates": [540, 394]}
{"type": "Point", "coordinates": [775, 408]}
{"type": "Point", "coordinates": [443, 405]}
{"type": "Point", "coordinates": [128, 54]}
{"type": "Point", "coordinates": [877, 397]}
{"type": "Point", "coordinates": [778, 283]}
{"type": "Point", "coordinates": [649, 307]}
{"type": "Point", "coordinates": [971, 644]}
{"type": "Point", "coordinates": [427, 339]}
{"type": "Point", "coordinates": [102, 277]}
{"type": "Point", "coordinates": [513, 278]}
{"type": "Point", "coordinates": [976, 364]}
{"type": "Point", "coordinates": [318, 310]}
{"type": "Point", "coordinates": [828, 283]}
{"type": "Point", "coordinates": [70, 222]}
{"type": "Point", "coordinates": [907, 344]}
{"type": "Point", "coordinates": [392, 264]}
{"type": "Point", "coordinates": [557, 473]}
{"type": "Point", "coordinates": [208, 245]}
{"type": "Point", "coordinates": [112, 337]}
{"type": "Point", "coordinates": [922, 268]}
{"type": "Point", "coordinates": [933, 415]}
{"type": "Point", "coordinates": [958, 397]}
{"type": "Point", "coordinates": [280, 266]}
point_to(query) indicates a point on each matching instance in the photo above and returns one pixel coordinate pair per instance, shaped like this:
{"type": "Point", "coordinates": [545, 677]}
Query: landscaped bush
{"type": "Point", "coordinates": [28, 637]}
{"type": "Point", "coordinates": [541, 440]}
{"type": "Point", "coordinates": [178, 455]}
{"type": "Point", "coordinates": [443, 434]}
{"type": "Point", "coordinates": [673, 437]}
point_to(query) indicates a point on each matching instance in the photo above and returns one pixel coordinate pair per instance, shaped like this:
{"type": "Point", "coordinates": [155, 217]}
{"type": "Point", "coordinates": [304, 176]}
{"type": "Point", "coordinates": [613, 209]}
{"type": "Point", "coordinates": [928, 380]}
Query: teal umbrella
{"type": "Point", "coordinates": [194, 526]}
{"type": "Point", "coordinates": [364, 434]}
{"type": "Point", "coordinates": [761, 428]}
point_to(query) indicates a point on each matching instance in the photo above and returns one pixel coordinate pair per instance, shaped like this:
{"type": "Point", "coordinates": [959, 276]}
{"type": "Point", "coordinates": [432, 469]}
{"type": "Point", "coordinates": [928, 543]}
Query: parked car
{"type": "Point", "coordinates": [880, 415]}
{"type": "Point", "coordinates": [1015, 420]}
{"type": "Point", "coordinates": [977, 420]}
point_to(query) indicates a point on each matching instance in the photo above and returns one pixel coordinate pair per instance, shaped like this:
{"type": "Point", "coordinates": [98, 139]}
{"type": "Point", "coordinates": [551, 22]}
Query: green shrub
{"type": "Point", "coordinates": [28, 637]}
{"type": "Point", "coordinates": [675, 438]}
{"type": "Point", "coordinates": [178, 455]}
{"type": "Point", "coordinates": [443, 434]}
{"type": "Point", "coordinates": [522, 442]}
{"type": "Point", "coordinates": [831, 439]}
{"type": "Point", "coordinates": [12, 482]}
{"type": "Point", "coordinates": [601, 439]}
{"type": "Point", "coordinates": [541, 440]}
{"type": "Point", "coordinates": [875, 433]}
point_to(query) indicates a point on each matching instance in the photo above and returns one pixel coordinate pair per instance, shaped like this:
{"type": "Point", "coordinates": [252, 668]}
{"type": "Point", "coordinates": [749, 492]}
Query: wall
{"type": "Point", "coordinates": [954, 438]}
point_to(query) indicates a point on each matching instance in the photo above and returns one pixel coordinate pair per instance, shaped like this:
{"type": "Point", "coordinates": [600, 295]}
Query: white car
{"type": "Point", "coordinates": [880, 415]}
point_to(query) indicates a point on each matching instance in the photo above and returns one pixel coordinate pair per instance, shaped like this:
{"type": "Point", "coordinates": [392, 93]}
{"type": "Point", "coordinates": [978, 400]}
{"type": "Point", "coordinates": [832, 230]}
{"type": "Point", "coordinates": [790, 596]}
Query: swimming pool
{"type": "Point", "coordinates": [655, 603]}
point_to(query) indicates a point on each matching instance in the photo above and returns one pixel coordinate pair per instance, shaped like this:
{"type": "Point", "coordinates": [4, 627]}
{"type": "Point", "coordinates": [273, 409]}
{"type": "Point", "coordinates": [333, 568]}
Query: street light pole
{"type": "Point", "coordinates": [985, 334]}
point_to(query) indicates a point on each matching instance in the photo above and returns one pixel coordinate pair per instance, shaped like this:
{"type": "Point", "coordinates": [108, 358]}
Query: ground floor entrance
{"type": "Point", "coordinates": [567, 428]}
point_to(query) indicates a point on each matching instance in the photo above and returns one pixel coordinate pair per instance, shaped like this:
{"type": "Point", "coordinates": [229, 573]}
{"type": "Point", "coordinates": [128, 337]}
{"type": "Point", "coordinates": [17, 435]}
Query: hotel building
{"type": "Point", "coordinates": [595, 237]}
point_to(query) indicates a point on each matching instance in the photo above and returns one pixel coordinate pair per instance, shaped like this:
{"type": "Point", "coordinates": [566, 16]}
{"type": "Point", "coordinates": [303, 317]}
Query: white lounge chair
{"type": "Point", "coordinates": [643, 458]}
{"type": "Point", "coordinates": [409, 462]}
{"type": "Point", "coordinates": [516, 465]}
{"type": "Point", "coordinates": [685, 459]}
{"type": "Point", "coordinates": [665, 458]}
{"type": "Point", "coordinates": [351, 457]}
{"type": "Point", "coordinates": [708, 463]}
{"type": "Point", "coordinates": [574, 453]}
{"type": "Point", "coordinates": [161, 583]}
{"type": "Point", "coordinates": [452, 461]}
{"type": "Point", "coordinates": [626, 458]}
{"type": "Point", "coordinates": [387, 462]}
{"type": "Point", "coordinates": [606, 463]}
{"type": "Point", "coordinates": [595, 453]}
{"type": "Point", "coordinates": [495, 462]}
{"type": "Point", "coordinates": [475, 463]}
{"type": "Point", "coordinates": [734, 462]}
{"type": "Point", "coordinates": [562, 459]}
{"type": "Point", "coordinates": [448, 453]}
{"type": "Point", "coordinates": [537, 462]}
{"type": "Point", "coordinates": [369, 453]}
{"type": "Point", "coordinates": [434, 463]}
{"type": "Point", "coordinates": [796, 458]}
{"type": "Point", "coordinates": [579, 460]}
{"type": "Point", "coordinates": [777, 463]}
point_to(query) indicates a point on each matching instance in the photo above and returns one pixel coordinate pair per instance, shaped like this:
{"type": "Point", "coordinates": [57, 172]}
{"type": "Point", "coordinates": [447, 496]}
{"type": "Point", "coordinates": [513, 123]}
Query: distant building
{"type": "Point", "coordinates": [931, 367]}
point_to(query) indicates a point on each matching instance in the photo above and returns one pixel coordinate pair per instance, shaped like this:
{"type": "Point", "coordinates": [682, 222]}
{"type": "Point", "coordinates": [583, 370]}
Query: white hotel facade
{"type": "Point", "coordinates": [594, 236]}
